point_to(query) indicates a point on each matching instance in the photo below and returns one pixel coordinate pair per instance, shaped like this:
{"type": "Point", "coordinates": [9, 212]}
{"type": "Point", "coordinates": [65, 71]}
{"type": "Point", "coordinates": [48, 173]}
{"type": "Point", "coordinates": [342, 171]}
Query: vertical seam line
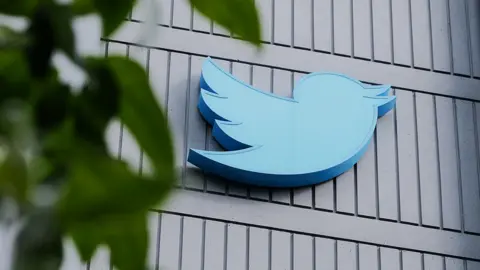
{"type": "Point", "coordinates": [437, 144]}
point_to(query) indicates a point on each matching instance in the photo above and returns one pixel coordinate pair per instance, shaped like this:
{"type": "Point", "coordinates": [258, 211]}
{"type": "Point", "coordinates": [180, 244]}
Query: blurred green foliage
{"type": "Point", "coordinates": [52, 140]}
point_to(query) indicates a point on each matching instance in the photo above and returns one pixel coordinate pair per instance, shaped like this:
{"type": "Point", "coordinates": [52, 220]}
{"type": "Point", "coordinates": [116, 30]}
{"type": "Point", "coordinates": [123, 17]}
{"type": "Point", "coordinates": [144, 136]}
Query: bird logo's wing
{"type": "Point", "coordinates": [234, 108]}
{"type": "Point", "coordinates": [241, 116]}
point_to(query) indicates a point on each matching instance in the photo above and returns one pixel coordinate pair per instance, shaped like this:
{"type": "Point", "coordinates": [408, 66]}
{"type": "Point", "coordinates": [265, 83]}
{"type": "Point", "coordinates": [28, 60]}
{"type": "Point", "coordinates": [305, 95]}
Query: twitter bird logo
{"type": "Point", "coordinates": [274, 141]}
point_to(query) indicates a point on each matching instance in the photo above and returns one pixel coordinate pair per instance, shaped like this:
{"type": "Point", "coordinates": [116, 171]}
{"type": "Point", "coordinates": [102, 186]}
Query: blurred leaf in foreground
{"type": "Point", "coordinates": [238, 16]}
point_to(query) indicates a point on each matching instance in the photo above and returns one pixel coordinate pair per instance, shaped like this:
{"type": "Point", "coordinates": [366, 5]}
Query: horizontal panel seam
{"type": "Point", "coordinates": [127, 37]}
{"type": "Point", "coordinates": [329, 211]}
{"type": "Point", "coordinates": [312, 49]}
{"type": "Point", "coordinates": [264, 215]}
{"type": "Point", "coordinates": [296, 232]}
{"type": "Point", "coordinates": [280, 68]}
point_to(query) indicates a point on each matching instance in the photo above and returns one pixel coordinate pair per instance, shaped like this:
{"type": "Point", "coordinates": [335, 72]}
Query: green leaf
{"type": "Point", "coordinates": [13, 175]}
{"type": "Point", "coordinates": [57, 147]}
{"type": "Point", "coordinates": [10, 39]}
{"type": "Point", "coordinates": [98, 185]}
{"type": "Point", "coordinates": [14, 75]}
{"type": "Point", "coordinates": [50, 28]}
{"type": "Point", "coordinates": [126, 236]}
{"type": "Point", "coordinates": [238, 16]}
{"type": "Point", "coordinates": [129, 242]}
{"type": "Point", "coordinates": [82, 7]}
{"type": "Point", "coordinates": [140, 112]}
{"type": "Point", "coordinates": [39, 169]}
{"type": "Point", "coordinates": [106, 203]}
{"type": "Point", "coordinates": [113, 14]}
{"type": "Point", "coordinates": [40, 49]}
{"type": "Point", "coordinates": [98, 102]}
{"type": "Point", "coordinates": [17, 7]}
{"type": "Point", "coordinates": [38, 245]}
{"type": "Point", "coordinates": [61, 16]}
{"type": "Point", "coordinates": [51, 105]}
{"type": "Point", "coordinates": [87, 237]}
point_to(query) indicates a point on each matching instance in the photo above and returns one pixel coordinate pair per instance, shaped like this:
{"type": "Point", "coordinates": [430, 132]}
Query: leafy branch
{"type": "Point", "coordinates": [52, 140]}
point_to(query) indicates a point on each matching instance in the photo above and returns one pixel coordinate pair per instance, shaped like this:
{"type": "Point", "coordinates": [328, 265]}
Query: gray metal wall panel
{"type": "Point", "coordinates": [323, 25]}
{"type": "Point", "coordinates": [408, 33]}
{"type": "Point", "coordinates": [366, 182]}
{"type": "Point", "coordinates": [407, 158]}
{"type": "Point", "coordinates": [428, 160]}
{"type": "Point", "coordinates": [473, 265]}
{"type": "Point", "coordinates": [219, 30]}
{"type": "Point", "coordinates": [305, 61]}
{"type": "Point", "coordinates": [370, 184]}
{"type": "Point", "coordinates": [345, 192]}
{"type": "Point", "coordinates": [401, 29]}
{"type": "Point", "coordinates": [197, 132]}
{"type": "Point", "coordinates": [302, 23]}
{"type": "Point", "coordinates": [421, 34]}
{"type": "Point", "coordinates": [364, 230]}
{"type": "Point", "coordinates": [468, 165]}
{"type": "Point", "coordinates": [390, 259]}
{"type": "Point", "coordinates": [473, 8]}
{"type": "Point", "coordinates": [441, 35]}
{"type": "Point", "coordinates": [303, 256]}
{"type": "Point", "coordinates": [324, 196]}
{"type": "Point", "coordinates": [163, 11]}
{"type": "Point", "coordinates": [382, 34]}
{"type": "Point", "coordinates": [346, 255]}
{"type": "Point", "coordinates": [433, 262]}
{"type": "Point", "coordinates": [236, 247]}
{"type": "Point", "coordinates": [204, 244]}
{"type": "Point", "coordinates": [265, 9]}
{"type": "Point", "coordinates": [368, 257]}
{"type": "Point", "coordinates": [362, 29]}
{"type": "Point", "coordinates": [170, 247]}
{"type": "Point", "coordinates": [182, 14]}
{"type": "Point", "coordinates": [387, 169]}
{"type": "Point", "coordinates": [325, 254]}
{"type": "Point", "coordinates": [411, 260]}
{"type": "Point", "coordinates": [460, 39]}
{"type": "Point", "coordinates": [259, 243]}
{"type": "Point", "coordinates": [153, 237]}
{"type": "Point", "coordinates": [303, 197]}
{"type": "Point", "coordinates": [215, 245]}
{"type": "Point", "coordinates": [450, 192]}
{"type": "Point", "coordinates": [201, 23]}
{"type": "Point", "coordinates": [421, 167]}
{"type": "Point", "coordinates": [342, 27]}
{"type": "Point", "coordinates": [281, 250]}
{"type": "Point", "coordinates": [192, 244]}
{"type": "Point", "coordinates": [178, 87]}
{"type": "Point", "coordinates": [283, 22]}
{"type": "Point", "coordinates": [454, 264]}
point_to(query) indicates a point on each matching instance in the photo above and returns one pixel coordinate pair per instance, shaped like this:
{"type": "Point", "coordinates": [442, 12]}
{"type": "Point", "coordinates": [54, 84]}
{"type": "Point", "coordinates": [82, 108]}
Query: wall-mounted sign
{"type": "Point", "coordinates": [275, 141]}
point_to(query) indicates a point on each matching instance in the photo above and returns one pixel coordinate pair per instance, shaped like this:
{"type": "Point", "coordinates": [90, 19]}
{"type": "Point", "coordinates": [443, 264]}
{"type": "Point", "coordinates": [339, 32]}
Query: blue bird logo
{"type": "Point", "coordinates": [275, 141]}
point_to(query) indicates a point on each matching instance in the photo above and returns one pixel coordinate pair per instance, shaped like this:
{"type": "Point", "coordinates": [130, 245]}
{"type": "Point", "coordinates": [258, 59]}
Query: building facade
{"type": "Point", "coordinates": [413, 200]}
